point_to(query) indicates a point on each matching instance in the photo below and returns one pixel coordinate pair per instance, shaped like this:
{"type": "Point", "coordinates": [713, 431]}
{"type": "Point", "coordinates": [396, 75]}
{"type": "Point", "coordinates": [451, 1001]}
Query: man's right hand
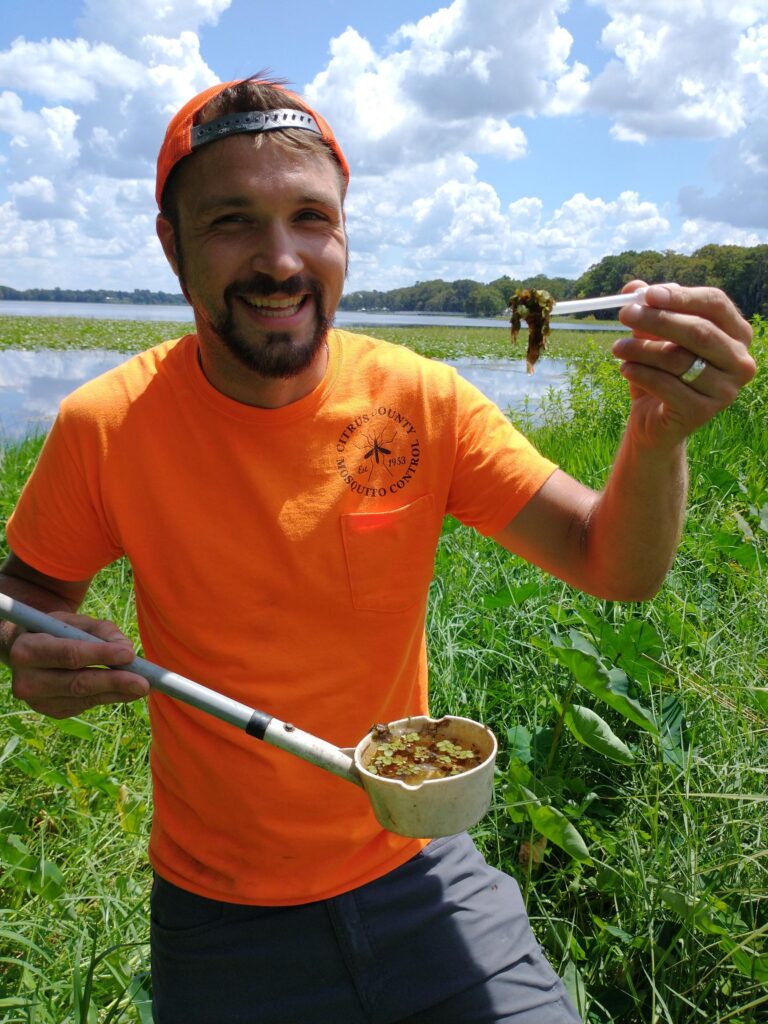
{"type": "Point", "coordinates": [61, 678]}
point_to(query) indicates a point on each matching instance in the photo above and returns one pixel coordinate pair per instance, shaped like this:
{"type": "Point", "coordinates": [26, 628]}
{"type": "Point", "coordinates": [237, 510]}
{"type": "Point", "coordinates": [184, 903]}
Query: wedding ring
{"type": "Point", "coordinates": [694, 371]}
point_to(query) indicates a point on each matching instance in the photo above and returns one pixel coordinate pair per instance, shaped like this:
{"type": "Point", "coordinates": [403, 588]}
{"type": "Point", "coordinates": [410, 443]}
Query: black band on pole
{"type": "Point", "coordinates": [258, 724]}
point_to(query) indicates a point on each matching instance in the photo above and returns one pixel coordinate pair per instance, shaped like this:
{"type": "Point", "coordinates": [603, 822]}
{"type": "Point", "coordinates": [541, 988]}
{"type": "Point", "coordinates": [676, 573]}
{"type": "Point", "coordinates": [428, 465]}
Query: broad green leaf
{"type": "Point", "coordinates": [32, 766]}
{"type": "Point", "coordinates": [47, 880]}
{"type": "Point", "coordinates": [759, 696]}
{"type": "Point", "coordinates": [519, 740]}
{"type": "Point", "coordinates": [752, 965]}
{"type": "Point", "coordinates": [512, 595]}
{"type": "Point", "coordinates": [609, 685]}
{"type": "Point", "coordinates": [141, 999]}
{"type": "Point", "coordinates": [38, 874]}
{"type": "Point", "coordinates": [131, 810]}
{"type": "Point", "coordinates": [575, 987]}
{"type": "Point", "coordinates": [610, 879]}
{"type": "Point", "coordinates": [555, 826]}
{"type": "Point", "coordinates": [590, 730]}
{"type": "Point", "coordinates": [673, 734]}
{"type": "Point", "coordinates": [101, 781]}
{"type": "Point", "coordinates": [16, 855]}
{"type": "Point", "coordinates": [75, 727]}
{"type": "Point", "coordinates": [720, 479]}
{"type": "Point", "coordinates": [612, 929]}
{"type": "Point", "coordinates": [707, 914]}
{"type": "Point", "coordinates": [517, 775]}
{"type": "Point", "coordinates": [11, 821]}
{"type": "Point", "coordinates": [636, 646]}
{"type": "Point", "coordinates": [9, 747]}
{"type": "Point", "coordinates": [639, 650]}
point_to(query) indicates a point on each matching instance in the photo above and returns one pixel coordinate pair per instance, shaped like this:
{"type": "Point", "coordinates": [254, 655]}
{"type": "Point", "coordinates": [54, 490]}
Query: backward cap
{"type": "Point", "coordinates": [177, 143]}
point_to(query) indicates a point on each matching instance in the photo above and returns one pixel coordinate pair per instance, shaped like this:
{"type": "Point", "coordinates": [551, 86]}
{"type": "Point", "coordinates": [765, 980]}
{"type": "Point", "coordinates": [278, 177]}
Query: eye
{"type": "Point", "coordinates": [229, 218]}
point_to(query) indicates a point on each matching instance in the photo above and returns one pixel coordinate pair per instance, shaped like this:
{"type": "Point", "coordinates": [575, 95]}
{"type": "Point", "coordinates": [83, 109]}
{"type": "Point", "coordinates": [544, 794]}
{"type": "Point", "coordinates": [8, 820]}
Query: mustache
{"type": "Point", "coordinates": [263, 285]}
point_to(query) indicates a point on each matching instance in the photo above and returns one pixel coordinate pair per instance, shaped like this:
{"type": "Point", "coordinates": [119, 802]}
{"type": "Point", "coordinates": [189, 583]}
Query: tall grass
{"type": "Point", "coordinates": [643, 857]}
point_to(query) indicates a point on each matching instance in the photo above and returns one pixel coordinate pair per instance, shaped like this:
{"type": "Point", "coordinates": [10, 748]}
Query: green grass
{"type": "Point", "coordinates": [643, 857]}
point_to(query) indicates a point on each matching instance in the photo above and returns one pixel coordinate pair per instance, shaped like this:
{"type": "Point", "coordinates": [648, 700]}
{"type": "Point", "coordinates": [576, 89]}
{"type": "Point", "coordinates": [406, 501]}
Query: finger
{"type": "Point", "coordinates": [632, 286]}
{"type": "Point", "coordinates": [66, 707]}
{"type": "Point", "coordinates": [696, 335]}
{"type": "Point", "coordinates": [39, 650]}
{"type": "Point", "coordinates": [717, 389]}
{"type": "Point", "coordinates": [671, 304]}
{"type": "Point", "coordinates": [688, 405]}
{"type": "Point", "coordinates": [60, 693]}
{"type": "Point", "coordinates": [667, 357]}
{"type": "Point", "coordinates": [101, 628]}
{"type": "Point", "coordinates": [710, 303]}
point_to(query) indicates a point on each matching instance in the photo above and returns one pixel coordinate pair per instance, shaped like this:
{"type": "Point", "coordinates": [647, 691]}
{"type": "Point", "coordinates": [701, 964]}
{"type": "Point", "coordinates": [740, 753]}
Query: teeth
{"type": "Point", "coordinates": [274, 307]}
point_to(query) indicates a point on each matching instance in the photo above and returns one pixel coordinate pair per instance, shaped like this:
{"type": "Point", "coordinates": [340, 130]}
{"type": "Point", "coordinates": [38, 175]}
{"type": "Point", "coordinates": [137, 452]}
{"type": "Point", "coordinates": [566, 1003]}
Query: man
{"type": "Point", "coordinates": [279, 489]}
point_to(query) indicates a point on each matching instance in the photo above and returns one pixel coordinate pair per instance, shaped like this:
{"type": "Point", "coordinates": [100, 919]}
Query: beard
{"type": "Point", "coordinates": [278, 354]}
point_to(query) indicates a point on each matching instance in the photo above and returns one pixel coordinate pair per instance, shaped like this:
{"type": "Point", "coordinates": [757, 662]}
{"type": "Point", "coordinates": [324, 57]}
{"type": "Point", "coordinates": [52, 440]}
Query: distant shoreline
{"type": "Point", "coordinates": [138, 297]}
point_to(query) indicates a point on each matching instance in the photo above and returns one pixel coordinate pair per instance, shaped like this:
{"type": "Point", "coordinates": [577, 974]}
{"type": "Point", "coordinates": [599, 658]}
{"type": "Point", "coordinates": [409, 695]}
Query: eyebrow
{"type": "Point", "coordinates": [241, 202]}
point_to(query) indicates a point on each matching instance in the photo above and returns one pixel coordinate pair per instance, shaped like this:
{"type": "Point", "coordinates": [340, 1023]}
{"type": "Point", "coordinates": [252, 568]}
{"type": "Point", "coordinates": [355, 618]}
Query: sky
{"type": "Point", "coordinates": [485, 137]}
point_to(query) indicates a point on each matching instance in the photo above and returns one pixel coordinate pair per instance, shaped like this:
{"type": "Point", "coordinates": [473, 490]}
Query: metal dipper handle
{"type": "Point", "coordinates": [258, 724]}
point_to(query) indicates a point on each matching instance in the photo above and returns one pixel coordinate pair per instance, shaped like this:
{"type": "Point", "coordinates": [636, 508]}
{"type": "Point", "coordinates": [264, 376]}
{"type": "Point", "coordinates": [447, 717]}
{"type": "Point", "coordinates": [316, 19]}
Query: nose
{"type": "Point", "coordinates": [276, 252]}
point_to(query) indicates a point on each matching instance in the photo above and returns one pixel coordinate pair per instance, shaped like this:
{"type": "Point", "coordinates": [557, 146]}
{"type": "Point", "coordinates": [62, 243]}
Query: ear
{"type": "Point", "coordinates": [167, 237]}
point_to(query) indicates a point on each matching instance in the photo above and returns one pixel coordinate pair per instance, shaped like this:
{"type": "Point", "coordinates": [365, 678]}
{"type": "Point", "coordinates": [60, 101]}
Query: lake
{"type": "Point", "coordinates": [109, 311]}
{"type": "Point", "coordinates": [33, 383]}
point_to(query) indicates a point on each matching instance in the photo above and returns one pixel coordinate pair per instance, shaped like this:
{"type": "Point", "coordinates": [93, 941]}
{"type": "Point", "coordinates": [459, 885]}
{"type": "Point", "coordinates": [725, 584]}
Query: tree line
{"type": "Point", "coordinates": [138, 297]}
{"type": "Point", "coordinates": [742, 272]}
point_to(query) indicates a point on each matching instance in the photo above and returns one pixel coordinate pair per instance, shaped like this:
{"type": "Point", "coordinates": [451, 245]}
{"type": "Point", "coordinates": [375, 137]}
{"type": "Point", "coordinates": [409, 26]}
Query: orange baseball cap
{"type": "Point", "coordinates": [182, 137]}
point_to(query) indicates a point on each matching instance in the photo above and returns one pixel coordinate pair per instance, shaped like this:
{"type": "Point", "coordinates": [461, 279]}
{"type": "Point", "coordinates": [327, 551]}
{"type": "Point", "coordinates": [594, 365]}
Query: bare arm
{"type": "Point", "coordinates": [620, 543]}
{"type": "Point", "coordinates": [58, 677]}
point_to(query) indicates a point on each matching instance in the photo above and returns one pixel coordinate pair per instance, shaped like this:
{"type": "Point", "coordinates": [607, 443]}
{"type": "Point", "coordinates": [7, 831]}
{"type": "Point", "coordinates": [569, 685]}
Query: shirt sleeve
{"type": "Point", "coordinates": [497, 470]}
{"type": "Point", "coordinates": [59, 526]}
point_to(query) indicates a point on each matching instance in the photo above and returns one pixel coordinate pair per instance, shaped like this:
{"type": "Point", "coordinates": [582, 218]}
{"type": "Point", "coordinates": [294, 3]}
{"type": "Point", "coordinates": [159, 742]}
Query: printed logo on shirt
{"type": "Point", "coordinates": [378, 453]}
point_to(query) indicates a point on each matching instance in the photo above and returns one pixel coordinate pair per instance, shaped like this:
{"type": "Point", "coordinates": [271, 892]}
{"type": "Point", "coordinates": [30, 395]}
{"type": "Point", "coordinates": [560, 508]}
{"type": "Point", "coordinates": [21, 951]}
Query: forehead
{"type": "Point", "coordinates": [255, 167]}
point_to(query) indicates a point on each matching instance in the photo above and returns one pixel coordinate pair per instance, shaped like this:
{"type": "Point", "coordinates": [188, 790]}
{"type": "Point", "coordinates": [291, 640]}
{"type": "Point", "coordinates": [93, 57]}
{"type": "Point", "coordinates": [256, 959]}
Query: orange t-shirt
{"type": "Point", "coordinates": [282, 557]}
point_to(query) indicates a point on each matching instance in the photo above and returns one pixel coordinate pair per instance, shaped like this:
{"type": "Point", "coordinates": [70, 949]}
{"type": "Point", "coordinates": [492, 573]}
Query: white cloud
{"type": "Point", "coordinates": [445, 222]}
{"type": "Point", "coordinates": [79, 174]}
{"type": "Point", "coordinates": [34, 198]}
{"type": "Point", "coordinates": [126, 23]}
{"type": "Point", "coordinates": [70, 70]}
{"type": "Point", "coordinates": [42, 141]}
{"type": "Point", "coordinates": [693, 234]}
{"type": "Point", "coordinates": [677, 69]}
{"type": "Point", "coordinates": [97, 239]}
{"type": "Point", "coordinates": [451, 81]}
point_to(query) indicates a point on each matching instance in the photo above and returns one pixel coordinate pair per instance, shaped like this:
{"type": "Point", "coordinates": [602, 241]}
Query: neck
{"type": "Point", "coordinates": [229, 376]}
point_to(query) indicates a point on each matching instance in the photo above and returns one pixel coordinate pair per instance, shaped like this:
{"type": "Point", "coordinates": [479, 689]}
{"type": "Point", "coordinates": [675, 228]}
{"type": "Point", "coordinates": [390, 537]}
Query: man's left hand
{"type": "Point", "coordinates": [676, 327]}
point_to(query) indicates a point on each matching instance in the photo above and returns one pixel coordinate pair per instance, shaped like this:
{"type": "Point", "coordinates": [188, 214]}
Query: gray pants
{"type": "Point", "coordinates": [443, 939]}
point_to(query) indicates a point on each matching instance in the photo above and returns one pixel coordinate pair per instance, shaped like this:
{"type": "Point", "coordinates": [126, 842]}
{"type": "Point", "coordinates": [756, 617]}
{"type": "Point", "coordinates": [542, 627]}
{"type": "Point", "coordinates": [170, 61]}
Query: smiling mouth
{"type": "Point", "coordinates": [273, 308]}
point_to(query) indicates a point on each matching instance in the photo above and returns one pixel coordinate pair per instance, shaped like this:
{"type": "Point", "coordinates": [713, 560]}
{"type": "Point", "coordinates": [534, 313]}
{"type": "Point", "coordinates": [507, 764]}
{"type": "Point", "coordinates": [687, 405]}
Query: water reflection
{"type": "Point", "coordinates": [32, 384]}
{"type": "Point", "coordinates": [507, 383]}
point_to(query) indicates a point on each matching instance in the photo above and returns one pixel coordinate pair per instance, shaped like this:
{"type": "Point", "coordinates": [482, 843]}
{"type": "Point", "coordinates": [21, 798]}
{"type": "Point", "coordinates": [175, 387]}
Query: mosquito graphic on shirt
{"type": "Point", "coordinates": [377, 454]}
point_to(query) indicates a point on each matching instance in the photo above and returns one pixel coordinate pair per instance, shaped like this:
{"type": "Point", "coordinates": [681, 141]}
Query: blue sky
{"type": "Point", "coordinates": [477, 148]}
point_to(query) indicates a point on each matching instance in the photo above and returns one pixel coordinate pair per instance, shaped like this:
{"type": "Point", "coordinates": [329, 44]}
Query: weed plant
{"type": "Point", "coordinates": [630, 800]}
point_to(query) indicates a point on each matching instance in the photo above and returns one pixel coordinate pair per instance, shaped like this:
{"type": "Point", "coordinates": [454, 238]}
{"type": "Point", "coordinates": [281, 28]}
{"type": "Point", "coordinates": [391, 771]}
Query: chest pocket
{"type": "Point", "coordinates": [390, 555]}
